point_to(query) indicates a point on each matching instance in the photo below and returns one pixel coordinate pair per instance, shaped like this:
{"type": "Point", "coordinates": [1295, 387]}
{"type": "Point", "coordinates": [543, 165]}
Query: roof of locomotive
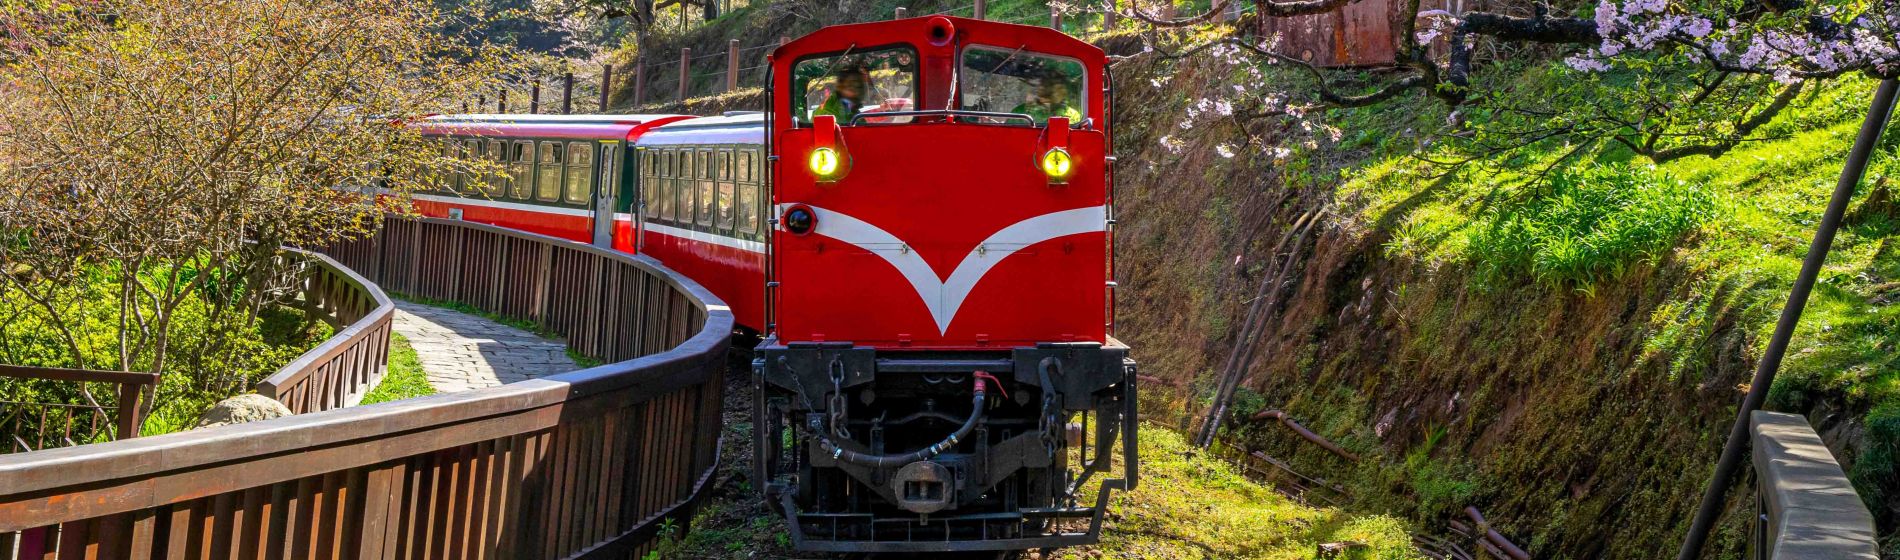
{"type": "Point", "coordinates": [734, 128]}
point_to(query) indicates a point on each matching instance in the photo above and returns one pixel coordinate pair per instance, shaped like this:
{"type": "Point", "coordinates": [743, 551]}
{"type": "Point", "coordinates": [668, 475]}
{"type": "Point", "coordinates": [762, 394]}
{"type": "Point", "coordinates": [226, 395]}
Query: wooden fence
{"type": "Point", "coordinates": [30, 425]}
{"type": "Point", "coordinates": [591, 463]}
{"type": "Point", "coordinates": [340, 371]}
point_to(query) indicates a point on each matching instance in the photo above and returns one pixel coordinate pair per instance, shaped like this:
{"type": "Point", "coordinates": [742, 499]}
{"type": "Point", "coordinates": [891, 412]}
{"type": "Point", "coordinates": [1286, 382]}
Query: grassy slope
{"type": "Point", "coordinates": [1562, 412]}
{"type": "Point", "coordinates": [1192, 506]}
{"type": "Point", "coordinates": [1732, 274]}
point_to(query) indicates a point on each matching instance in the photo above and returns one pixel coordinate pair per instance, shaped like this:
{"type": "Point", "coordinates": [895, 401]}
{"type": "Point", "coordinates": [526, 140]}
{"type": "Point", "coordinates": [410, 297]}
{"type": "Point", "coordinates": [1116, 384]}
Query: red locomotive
{"type": "Point", "coordinates": [920, 228]}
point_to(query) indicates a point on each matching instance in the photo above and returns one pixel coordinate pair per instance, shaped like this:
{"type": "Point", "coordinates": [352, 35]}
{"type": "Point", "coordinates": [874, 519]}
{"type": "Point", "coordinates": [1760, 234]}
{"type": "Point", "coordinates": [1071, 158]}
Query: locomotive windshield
{"type": "Point", "coordinates": [853, 83]}
{"type": "Point", "coordinates": [1003, 80]}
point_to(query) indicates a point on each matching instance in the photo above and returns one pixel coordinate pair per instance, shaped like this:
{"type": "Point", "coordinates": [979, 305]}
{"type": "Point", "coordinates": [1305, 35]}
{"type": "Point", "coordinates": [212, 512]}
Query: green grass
{"type": "Point", "coordinates": [404, 379]}
{"type": "Point", "coordinates": [1190, 505]}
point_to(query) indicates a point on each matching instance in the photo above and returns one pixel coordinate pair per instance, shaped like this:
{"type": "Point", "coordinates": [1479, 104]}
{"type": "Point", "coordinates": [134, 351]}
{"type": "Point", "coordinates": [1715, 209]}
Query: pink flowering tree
{"type": "Point", "coordinates": [1664, 79]}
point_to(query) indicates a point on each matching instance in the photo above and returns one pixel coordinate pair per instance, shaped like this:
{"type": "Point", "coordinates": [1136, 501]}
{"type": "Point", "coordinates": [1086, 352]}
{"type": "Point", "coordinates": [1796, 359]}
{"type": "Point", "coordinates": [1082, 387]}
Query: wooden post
{"type": "Point", "coordinates": [481, 101]}
{"type": "Point", "coordinates": [1055, 18]}
{"type": "Point", "coordinates": [902, 12]}
{"type": "Point", "coordinates": [129, 410]}
{"type": "Point", "coordinates": [501, 102]}
{"type": "Point", "coordinates": [732, 65]}
{"type": "Point", "coordinates": [607, 85]}
{"type": "Point", "coordinates": [567, 92]}
{"type": "Point", "coordinates": [686, 60]}
{"type": "Point", "coordinates": [534, 98]}
{"type": "Point", "coordinates": [639, 82]}
{"type": "Point", "coordinates": [978, 14]}
{"type": "Point", "coordinates": [1108, 17]}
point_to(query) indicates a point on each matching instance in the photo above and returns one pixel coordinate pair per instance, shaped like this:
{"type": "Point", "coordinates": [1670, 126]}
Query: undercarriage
{"type": "Point", "coordinates": [880, 450]}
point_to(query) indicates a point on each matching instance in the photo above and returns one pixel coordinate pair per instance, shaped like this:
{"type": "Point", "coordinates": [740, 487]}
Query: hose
{"type": "Point", "coordinates": [880, 461]}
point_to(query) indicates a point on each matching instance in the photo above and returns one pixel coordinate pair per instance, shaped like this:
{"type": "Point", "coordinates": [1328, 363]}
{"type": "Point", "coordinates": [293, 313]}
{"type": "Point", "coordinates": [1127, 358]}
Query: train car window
{"type": "Point", "coordinates": [683, 188]}
{"type": "Point", "coordinates": [445, 168]}
{"type": "Point", "coordinates": [548, 174]}
{"type": "Point", "coordinates": [704, 166]}
{"type": "Point", "coordinates": [521, 172]}
{"type": "Point", "coordinates": [472, 178]}
{"type": "Point", "coordinates": [580, 172]}
{"type": "Point", "coordinates": [1010, 80]}
{"type": "Point", "coordinates": [748, 209]}
{"type": "Point", "coordinates": [846, 85]}
{"type": "Point", "coordinates": [497, 180]}
{"type": "Point", "coordinates": [660, 190]}
{"type": "Point", "coordinates": [727, 192]}
{"type": "Point", "coordinates": [744, 166]}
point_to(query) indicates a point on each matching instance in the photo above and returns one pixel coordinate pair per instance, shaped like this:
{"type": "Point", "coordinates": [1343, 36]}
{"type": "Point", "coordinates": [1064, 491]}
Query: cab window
{"type": "Point", "coordinates": [1004, 80]}
{"type": "Point", "coordinates": [849, 84]}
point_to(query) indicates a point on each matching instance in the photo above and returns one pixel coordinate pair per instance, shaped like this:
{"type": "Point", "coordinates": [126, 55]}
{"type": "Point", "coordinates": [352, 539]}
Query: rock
{"type": "Point", "coordinates": [249, 407]}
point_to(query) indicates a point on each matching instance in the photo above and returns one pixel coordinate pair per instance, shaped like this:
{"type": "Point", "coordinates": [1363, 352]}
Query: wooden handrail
{"type": "Point", "coordinates": [338, 372]}
{"type": "Point", "coordinates": [587, 463]}
{"type": "Point", "coordinates": [79, 375]}
{"type": "Point", "coordinates": [126, 418]}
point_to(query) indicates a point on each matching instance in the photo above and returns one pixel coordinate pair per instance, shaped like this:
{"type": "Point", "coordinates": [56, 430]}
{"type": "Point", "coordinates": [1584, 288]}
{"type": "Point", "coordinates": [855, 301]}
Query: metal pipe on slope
{"type": "Point", "coordinates": [1733, 450]}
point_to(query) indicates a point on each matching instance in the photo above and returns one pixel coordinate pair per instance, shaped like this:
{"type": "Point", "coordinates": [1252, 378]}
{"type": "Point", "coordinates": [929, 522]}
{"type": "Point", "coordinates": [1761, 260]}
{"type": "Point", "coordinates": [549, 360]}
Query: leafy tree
{"type": "Point", "coordinates": [169, 147]}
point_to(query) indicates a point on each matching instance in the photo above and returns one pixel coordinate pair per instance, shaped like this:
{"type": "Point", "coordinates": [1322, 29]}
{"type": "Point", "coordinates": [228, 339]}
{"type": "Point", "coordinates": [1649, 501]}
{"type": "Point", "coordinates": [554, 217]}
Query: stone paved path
{"type": "Point", "coordinates": [459, 351]}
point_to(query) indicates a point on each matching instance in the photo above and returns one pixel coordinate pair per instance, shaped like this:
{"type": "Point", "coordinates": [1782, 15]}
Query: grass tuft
{"type": "Point", "coordinates": [404, 379]}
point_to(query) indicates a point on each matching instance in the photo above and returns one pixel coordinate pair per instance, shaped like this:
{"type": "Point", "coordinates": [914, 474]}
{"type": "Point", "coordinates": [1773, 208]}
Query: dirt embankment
{"type": "Point", "coordinates": [1539, 405]}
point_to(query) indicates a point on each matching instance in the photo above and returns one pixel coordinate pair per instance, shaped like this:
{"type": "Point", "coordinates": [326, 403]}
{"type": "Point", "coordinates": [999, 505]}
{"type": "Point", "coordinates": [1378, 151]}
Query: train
{"type": "Point", "coordinates": [918, 230]}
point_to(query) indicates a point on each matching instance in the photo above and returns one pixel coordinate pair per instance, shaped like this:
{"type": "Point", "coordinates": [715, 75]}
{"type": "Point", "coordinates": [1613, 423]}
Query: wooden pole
{"type": "Point", "coordinates": [732, 65]}
{"type": "Point", "coordinates": [567, 92]}
{"type": "Point", "coordinates": [1108, 17]}
{"type": "Point", "coordinates": [902, 12]}
{"type": "Point", "coordinates": [1055, 18]}
{"type": "Point", "coordinates": [481, 101]}
{"type": "Point", "coordinates": [607, 84]}
{"type": "Point", "coordinates": [534, 98]}
{"type": "Point", "coordinates": [501, 103]}
{"type": "Point", "coordinates": [639, 82]}
{"type": "Point", "coordinates": [978, 14]}
{"type": "Point", "coordinates": [686, 60]}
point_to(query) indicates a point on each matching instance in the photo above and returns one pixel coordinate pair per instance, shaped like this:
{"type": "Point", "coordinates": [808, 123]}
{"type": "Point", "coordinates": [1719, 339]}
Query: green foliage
{"type": "Point", "coordinates": [1588, 225]}
{"type": "Point", "coordinates": [214, 354]}
{"type": "Point", "coordinates": [404, 379]}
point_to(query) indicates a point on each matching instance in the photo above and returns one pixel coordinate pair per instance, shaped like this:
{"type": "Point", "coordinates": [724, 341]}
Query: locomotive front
{"type": "Point", "coordinates": [939, 371]}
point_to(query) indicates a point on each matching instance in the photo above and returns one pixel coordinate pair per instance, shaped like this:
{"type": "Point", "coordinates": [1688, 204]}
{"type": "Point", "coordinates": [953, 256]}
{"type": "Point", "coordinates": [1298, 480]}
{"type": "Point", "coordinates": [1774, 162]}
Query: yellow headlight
{"type": "Point", "coordinates": [1057, 164]}
{"type": "Point", "coordinates": [823, 162]}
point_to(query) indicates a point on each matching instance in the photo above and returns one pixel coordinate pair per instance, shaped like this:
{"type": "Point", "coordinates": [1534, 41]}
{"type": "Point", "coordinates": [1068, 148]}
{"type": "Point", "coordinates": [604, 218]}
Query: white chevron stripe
{"type": "Point", "coordinates": [942, 297]}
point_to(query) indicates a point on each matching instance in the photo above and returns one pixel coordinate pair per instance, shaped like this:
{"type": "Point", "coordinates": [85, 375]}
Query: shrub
{"type": "Point", "coordinates": [1585, 225]}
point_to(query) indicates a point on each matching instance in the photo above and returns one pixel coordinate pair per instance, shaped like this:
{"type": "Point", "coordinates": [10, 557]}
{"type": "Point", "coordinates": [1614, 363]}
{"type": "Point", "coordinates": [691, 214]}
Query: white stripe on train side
{"type": "Point", "coordinates": [505, 205]}
{"type": "Point", "coordinates": [703, 237]}
{"type": "Point", "coordinates": [700, 236]}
